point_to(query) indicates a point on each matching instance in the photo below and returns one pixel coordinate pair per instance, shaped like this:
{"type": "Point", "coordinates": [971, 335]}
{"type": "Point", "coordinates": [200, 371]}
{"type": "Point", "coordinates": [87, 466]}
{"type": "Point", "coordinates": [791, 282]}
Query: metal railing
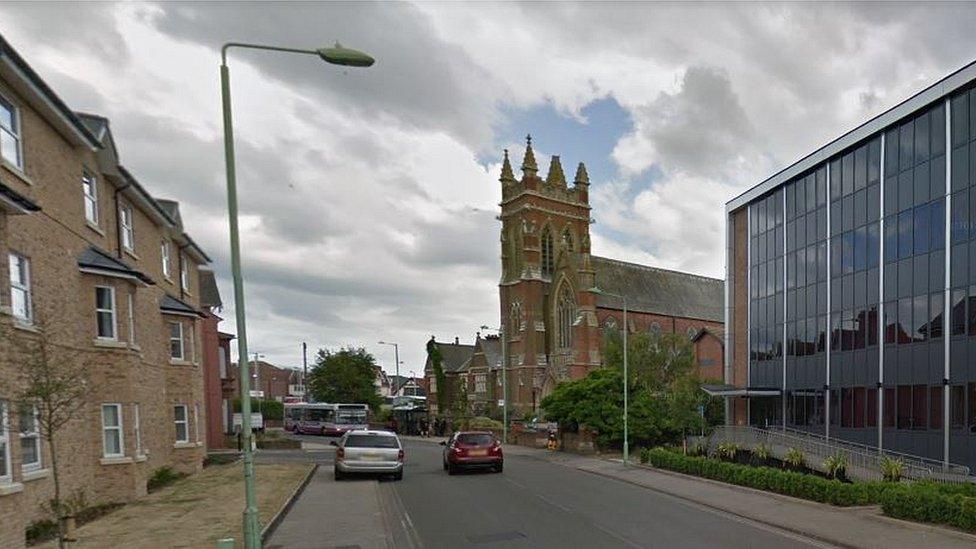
{"type": "Point", "coordinates": [864, 462]}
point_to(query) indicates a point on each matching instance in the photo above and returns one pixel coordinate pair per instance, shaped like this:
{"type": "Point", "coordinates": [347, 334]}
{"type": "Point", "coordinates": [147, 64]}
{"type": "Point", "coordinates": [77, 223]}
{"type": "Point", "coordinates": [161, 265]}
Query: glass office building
{"type": "Point", "coordinates": [851, 284]}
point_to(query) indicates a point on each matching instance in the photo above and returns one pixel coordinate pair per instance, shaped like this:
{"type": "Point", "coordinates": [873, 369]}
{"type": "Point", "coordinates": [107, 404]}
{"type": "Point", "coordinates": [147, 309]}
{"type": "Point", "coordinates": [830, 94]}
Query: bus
{"type": "Point", "coordinates": [326, 419]}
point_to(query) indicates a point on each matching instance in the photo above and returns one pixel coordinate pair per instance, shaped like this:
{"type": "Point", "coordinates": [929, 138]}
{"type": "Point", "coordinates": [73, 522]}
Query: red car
{"type": "Point", "coordinates": [472, 449]}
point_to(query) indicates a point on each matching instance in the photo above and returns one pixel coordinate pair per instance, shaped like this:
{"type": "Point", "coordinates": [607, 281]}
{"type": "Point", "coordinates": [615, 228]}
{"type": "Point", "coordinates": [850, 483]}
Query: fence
{"type": "Point", "coordinates": [864, 462]}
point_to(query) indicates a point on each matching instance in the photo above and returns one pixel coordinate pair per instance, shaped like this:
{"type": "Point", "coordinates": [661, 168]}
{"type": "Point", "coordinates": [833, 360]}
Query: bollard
{"type": "Point", "coordinates": [226, 543]}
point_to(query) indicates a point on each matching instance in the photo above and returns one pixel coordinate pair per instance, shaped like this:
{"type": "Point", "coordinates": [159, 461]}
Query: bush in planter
{"type": "Point", "coordinates": [836, 466]}
{"type": "Point", "coordinates": [761, 454]}
{"type": "Point", "coordinates": [699, 449]}
{"type": "Point", "coordinates": [727, 451]}
{"type": "Point", "coordinates": [892, 469]}
{"type": "Point", "coordinates": [794, 458]}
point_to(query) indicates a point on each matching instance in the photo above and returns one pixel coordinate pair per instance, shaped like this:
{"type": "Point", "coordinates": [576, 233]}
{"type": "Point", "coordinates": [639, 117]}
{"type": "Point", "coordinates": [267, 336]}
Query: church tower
{"type": "Point", "coordinates": [546, 307]}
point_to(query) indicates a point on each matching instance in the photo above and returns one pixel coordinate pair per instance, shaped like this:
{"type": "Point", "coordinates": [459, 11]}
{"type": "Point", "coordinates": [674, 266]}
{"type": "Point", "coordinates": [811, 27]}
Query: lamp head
{"type": "Point", "coordinates": [338, 55]}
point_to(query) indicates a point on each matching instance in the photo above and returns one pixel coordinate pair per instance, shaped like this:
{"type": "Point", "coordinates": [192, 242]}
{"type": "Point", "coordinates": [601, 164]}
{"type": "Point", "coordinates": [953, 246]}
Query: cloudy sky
{"type": "Point", "coordinates": [369, 196]}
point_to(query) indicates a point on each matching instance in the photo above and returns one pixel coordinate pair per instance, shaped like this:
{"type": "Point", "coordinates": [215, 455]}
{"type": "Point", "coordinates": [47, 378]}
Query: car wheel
{"type": "Point", "coordinates": [338, 474]}
{"type": "Point", "coordinates": [451, 469]}
{"type": "Point", "coordinates": [398, 476]}
{"type": "Point", "coordinates": [499, 467]}
{"type": "Point", "coordinates": [443, 462]}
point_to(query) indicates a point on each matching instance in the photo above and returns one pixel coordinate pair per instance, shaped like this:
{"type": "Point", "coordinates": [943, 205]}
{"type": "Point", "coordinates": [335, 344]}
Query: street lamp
{"type": "Point", "coordinates": [396, 357]}
{"type": "Point", "coordinates": [336, 55]}
{"type": "Point", "coordinates": [598, 291]}
{"type": "Point", "coordinates": [501, 337]}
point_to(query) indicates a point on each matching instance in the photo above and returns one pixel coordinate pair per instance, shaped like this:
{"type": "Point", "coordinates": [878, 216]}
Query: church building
{"type": "Point", "coordinates": [557, 299]}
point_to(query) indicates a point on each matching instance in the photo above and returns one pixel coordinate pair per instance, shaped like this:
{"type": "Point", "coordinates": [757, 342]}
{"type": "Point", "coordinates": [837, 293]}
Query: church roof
{"type": "Point", "coordinates": [454, 355]}
{"type": "Point", "coordinates": [492, 347]}
{"type": "Point", "coordinates": [659, 291]}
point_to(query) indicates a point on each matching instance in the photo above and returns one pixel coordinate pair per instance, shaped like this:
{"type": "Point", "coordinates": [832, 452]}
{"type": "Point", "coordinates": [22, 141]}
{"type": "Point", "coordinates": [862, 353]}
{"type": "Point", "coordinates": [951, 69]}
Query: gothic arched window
{"type": "Point", "coordinates": [515, 254]}
{"type": "Point", "coordinates": [515, 324]}
{"type": "Point", "coordinates": [565, 317]}
{"type": "Point", "coordinates": [567, 239]}
{"type": "Point", "coordinates": [546, 245]}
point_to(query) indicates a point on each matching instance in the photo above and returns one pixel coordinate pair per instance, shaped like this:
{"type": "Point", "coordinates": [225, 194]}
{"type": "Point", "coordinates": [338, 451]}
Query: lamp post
{"type": "Point", "coordinates": [598, 291]}
{"type": "Point", "coordinates": [501, 337]}
{"type": "Point", "coordinates": [338, 56]}
{"type": "Point", "coordinates": [396, 357]}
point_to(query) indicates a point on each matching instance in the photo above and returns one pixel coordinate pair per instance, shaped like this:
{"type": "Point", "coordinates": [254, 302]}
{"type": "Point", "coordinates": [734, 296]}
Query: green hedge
{"type": "Point", "coordinates": [270, 409]}
{"type": "Point", "coordinates": [927, 502]}
{"type": "Point", "coordinates": [798, 485]}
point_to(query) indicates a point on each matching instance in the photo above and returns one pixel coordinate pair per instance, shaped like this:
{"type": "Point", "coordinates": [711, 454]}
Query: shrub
{"type": "Point", "coordinates": [727, 451]}
{"type": "Point", "coordinates": [164, 476]}
{"type": "Point", "coordinates": [794, 458]}
{"type": "Point", "coordinates": [836, 466]}
{"type": "Point", "coordinates": [41, 531]}
{"type": "Point", "coordinates": [926, 502]}
{"type": "Point", "coordinates": [482, 422]}
{"type": "Point", "coordinates": [698, 449]}
{"type": "Point", "coordinates": [892, 469]}
{"type": "Point", "coordinates": [773, 480]}
{"type": "Point", "coordinates": [762, 451]}
{"type": "Point", "coordinates": [270, 409]}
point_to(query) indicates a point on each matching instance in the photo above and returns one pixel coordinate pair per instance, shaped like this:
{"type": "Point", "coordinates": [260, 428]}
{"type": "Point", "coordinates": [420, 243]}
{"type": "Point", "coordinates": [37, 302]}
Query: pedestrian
{"type": "Point", "coordinates": [424, 428]}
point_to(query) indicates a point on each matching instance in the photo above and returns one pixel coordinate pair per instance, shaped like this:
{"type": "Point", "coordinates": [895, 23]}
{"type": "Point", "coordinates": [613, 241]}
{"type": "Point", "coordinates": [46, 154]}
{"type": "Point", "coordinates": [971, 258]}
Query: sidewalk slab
{"type": "Point", "coordinates": [333, 514]}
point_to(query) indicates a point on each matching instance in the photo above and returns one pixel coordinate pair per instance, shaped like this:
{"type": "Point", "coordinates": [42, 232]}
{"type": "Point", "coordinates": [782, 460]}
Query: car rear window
{"type": "Point", "coordinates": [475, 439]}
{"type": "Point", "coordinates": [371, 441]}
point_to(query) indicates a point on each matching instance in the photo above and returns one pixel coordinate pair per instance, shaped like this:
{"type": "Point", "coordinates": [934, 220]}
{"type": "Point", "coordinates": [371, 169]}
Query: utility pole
{"type": "Point", "coordinates": [305, 371]}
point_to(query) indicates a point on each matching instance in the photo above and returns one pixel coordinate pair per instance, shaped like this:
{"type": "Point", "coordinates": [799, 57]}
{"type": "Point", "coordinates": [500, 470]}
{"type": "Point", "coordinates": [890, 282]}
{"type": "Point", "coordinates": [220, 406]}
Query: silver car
{"type": "Point", "coordinates": [376, 452]}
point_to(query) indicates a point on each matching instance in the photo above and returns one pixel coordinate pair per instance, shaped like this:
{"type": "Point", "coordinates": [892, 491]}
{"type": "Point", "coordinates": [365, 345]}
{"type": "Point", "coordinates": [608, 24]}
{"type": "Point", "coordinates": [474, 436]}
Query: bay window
{"type": "Point", "coordinates": [20, 288]}
{"type": "Point", "coordinates": [30, 438]}
{"type": "Point", "coordinates": [105, 312]}
{"type": "Point", "coordinates": [10, 147]}
{"type": "Point", "coordinates": [176, 341]}
{"type": "Point", "coordinates": [180, 420]}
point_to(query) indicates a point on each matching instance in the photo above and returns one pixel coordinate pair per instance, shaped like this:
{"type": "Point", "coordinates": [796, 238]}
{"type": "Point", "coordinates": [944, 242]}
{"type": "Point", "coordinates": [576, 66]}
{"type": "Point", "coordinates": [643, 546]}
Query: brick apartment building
{"type": "Point", "coordinates": [218, 378]}
{"type": "Point", "coordinates": [103, 274]}
{"type": "Point", "coordinates": [852, 283]}
{"type": "Point", "coordinates": [554, 322]}
{"type": "Point", "coordinates": [276, 382]}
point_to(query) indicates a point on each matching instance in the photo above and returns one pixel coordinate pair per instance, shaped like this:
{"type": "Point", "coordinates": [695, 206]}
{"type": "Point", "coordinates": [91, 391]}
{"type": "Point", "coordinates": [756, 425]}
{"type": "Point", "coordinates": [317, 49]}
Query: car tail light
{"type": "Point", "coordinates": [495, 449]}
{"type": "Point", "coordinates": [400, 456]}
{"type": "Point", "coordinates": [340, 453]}
{"type": "Point", "coordinates": [457, 450]}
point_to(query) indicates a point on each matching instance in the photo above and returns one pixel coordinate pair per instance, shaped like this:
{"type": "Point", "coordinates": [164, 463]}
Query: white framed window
{"type": "Point", "coordinates": [5, 475]}
{"type": "Point", "coordinates": [184, 273]}
{"type": "Point", "coordinates": [20, 288]}
{"type": "Point", "coordinates": [179, 418]}
{"type": "Point", "coordinates": [89, 189]}
{"type": "Point", "coordinates": [10, 145]}
{"type": "Point", "coordinates": [126, 227]}
{"type": "Point", "coordinates": [196, 420]}
{"type": "Point", "coordinates": [30, 438]}
{"type": "Point", "coordinates": [480, 383]}
{"type": "Point", "coordinates": [176, 340]}
{"type": "Point", "coordinates": [113, 443]}
{"type": "Point", "coordinates": [164, 253]}
{"type": "Point", "coordinates": [105, 312]}
{"type": "Point", "coordinates": [130, 304]}
{"type": "Point", "coordinates": [137, 428]}
{"type": "Point", "coordinates": [433, 384]}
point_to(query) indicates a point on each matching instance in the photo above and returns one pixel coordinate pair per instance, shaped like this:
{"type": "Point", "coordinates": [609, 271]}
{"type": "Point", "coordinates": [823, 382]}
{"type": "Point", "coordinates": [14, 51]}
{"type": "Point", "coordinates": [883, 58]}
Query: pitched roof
{"type": "Point", "coordinates": [172, 209]}
{"type": "Point", "coordinates": [454, 355]}
{"type": "Point", "coordinates": [209, 293]}
{"type": "Point", "coordinates": [172, 305]}
{"type": "Point", "coordinates": [660, 291]}
{"type": "Point", "coordinates": [492, 347]}
{"type": "Point", "coordinates": [98, 260]}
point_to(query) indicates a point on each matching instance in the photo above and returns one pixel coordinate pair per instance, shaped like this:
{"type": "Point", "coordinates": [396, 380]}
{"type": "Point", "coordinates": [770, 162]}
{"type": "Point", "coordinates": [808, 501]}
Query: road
{"type": "Point", "coordinates": [539, 504]}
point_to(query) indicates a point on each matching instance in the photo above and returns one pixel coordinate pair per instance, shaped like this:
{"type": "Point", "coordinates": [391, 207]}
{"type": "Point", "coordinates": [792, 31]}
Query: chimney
{"type": "Point", "coordinates": [457, 340]}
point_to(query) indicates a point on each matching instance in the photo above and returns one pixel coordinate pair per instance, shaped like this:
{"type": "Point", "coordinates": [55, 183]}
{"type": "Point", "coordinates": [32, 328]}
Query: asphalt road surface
{"type": "Point", "coordinates": [539, 504]}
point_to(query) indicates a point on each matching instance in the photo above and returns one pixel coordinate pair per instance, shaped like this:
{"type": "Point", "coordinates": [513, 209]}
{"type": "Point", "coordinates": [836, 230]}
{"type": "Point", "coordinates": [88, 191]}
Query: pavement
{"type": "Point", "coordinates": [562, 500]}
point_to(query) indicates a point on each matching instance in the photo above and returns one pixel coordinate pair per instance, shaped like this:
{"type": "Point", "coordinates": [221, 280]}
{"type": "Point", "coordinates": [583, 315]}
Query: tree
{"type": "Point", "coordinates": [346, 375]}
{"type": "Point", "coordinates": [55, 384]}
{"type": "Point", "coordinates": [663, 389]}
